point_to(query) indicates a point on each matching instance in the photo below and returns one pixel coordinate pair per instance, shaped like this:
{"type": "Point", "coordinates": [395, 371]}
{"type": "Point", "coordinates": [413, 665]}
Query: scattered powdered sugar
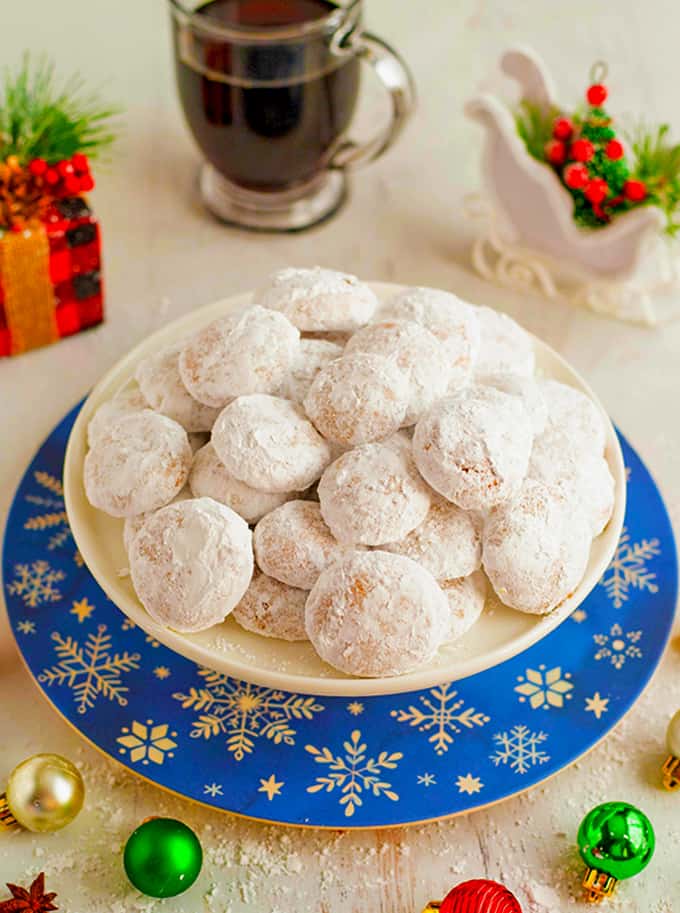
{"type": "Point", "coordinates": [319, 299]}
{"type": "Point", "coordinates": [358, 398]}
{"type": "Point", "coordinates": [237, 355]}
{"type": "Point", "coordinates": [138, 464]}
{"type": "Point", "coordinates": [473, 447]}
{"type": "Point", "coordinates": [293, 544]}
{"type": "Point", "coordinates": [447, 543]}
{"type": "Point", "coordinates": [269, 443]}
{"type": "Point", "coordinates": [273, 609]}
{"type": "Point", "coordinates": [375, 613]}
{"type": "Point", "coordinates": [312, 356]}
{"type": "Point", "coordinates": [209, 478]}
{"type": "Point", "coordinates": [452, 321]}
{"type": "Point", "coordinates": [535, 549]}
{"type": "Point", "coordinates": [417, 352]}
{"type": "Point", "coordinates": [373, 494]}
{"type": "Point", "coordinates": [191, 563]}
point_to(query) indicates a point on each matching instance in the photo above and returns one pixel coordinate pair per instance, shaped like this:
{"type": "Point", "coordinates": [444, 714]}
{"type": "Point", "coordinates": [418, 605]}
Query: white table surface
{"type": "Point", "coordinates": [165, 256]}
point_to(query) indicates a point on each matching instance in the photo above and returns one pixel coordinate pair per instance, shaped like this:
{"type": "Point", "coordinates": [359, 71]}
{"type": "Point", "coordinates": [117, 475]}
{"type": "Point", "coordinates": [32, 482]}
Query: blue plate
{"type": "Point", "coordinates": [321, 761]}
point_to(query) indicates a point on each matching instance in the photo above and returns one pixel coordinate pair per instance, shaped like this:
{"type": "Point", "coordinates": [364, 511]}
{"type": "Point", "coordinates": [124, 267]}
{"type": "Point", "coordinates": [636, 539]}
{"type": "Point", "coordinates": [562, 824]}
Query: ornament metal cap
{"type": "Point", "coordinates": [433, 906]}
{"type": "Point", "coordinates": [598, 885]}
{"type": "Point", "coordinates": [671, 773]}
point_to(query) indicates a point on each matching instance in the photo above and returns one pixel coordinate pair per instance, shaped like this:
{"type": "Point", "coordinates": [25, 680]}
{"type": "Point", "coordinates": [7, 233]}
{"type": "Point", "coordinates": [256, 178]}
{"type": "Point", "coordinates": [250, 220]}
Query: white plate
{"type": "Point", "coordinates": [499, 634]}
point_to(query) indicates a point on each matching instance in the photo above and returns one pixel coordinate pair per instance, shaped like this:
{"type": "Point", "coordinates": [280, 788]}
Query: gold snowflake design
{"type": "Point", "coordinates": [618, 646]}
{"type": "Point", "coordinates": [244, 713]}
{"type": "Point", "coordinates": [36, 583]}
{"type": "Point", "coordinates": [354, 773]}
{"type": "Point", "coordinates": [90, 670]}
{"type": "Point", "coordinates": [50, 514]}
{"type": "Point", "coordinates": [544, 688]}
{"type": "Point", "coordinates": [628, 568]}
{"type": "Point", "coordinates": [147, 742]}
{"type": "Point", "coordinates": [441, 716]}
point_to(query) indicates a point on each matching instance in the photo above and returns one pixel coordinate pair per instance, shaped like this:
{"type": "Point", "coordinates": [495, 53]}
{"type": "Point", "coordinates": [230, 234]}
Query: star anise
{"type": "Point", "coordinates": [31, 900]}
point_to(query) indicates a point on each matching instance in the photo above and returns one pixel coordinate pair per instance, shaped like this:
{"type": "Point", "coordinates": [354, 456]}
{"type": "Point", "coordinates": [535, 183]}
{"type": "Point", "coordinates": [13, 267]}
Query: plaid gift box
{"type": "Point", "coordinates": [50, 278]}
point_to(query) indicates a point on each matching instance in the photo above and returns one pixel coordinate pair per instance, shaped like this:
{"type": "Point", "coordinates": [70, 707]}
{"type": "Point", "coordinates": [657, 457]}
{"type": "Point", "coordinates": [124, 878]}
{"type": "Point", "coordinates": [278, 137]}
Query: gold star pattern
{"type": "Point", "coordinates": [356, 708]}
{"type": "Point", "coordinates": [271, 787]}
{"type": "Point", "coordinates": [161, 672]}
{"type": "Point", "coordinates": [578, 616]}
{"type": "Point", "coordinates": [469, 784]}
{"type": "Point", "coordinates": [82, 609]}
{"type": "Point", "coordinates": [597, 705]}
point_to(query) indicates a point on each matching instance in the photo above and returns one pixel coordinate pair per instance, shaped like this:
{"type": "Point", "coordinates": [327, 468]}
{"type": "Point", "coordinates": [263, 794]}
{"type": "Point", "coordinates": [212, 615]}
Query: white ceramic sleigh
{"type": "Point", "coordinates": [627, 269]}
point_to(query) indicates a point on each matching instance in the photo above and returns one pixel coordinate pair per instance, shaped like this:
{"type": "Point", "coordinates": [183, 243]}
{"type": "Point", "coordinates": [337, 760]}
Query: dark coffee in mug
{"type": "Point", "coordinates": [266, 116]}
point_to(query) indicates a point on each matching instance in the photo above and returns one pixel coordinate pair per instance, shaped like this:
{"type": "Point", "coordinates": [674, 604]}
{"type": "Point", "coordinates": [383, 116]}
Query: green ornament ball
{"type": "Point", "coordinates": [163, 857]}
{"type": "Point", "coordinates": [616, 838]}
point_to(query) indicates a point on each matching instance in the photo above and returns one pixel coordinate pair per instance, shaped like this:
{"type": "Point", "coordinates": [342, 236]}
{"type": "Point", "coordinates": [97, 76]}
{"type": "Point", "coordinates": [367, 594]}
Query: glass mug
{"type": "Point", "coordinates": [269, 89]}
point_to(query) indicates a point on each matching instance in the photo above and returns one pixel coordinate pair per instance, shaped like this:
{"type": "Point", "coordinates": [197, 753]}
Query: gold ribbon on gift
{"type": "Point", "coordinates": [29, 295]}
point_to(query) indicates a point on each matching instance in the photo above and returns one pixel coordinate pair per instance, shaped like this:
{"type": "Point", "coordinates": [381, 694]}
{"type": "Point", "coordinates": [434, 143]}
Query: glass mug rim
{"type": "Point", "coordinates": [345, 9]}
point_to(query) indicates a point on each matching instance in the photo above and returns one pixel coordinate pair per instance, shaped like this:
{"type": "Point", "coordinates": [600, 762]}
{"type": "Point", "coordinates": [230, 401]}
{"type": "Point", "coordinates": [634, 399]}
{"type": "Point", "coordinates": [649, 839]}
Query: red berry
{"type": "Point", "coordinates": [51, 176]}
{"type": "Point", "coordinates": [575, 176]}
{"type": "Point", "coordinates": [72, 184]}
{"type": "Point", "coordinates": [555, 151]}
{"type": "Point", "coordinates": [37, 167]}
{"type": "Point", "coordinates": [65, 168]}
{"type": "Point", "coordinates": [563, 128]}
{"type": "Point", "coordinates": [613, 149]}
{"type": "Point", "coordinates": [582, 150]}
{"type": "Point", "coordinates": [80, 162]}
{"type": "Point", "coordinates": [596, 94]}
{"type": "Point", "coordinates": [596, 190]}
{"type": "Point", "coordinates": [87, 182]}
{"type": "Point", "coordinates": [635, 191]}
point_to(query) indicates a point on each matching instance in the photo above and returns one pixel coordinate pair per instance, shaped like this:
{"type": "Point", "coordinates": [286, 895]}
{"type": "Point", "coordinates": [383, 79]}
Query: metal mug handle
{"type": "Point", "coordinates": [396, 77]}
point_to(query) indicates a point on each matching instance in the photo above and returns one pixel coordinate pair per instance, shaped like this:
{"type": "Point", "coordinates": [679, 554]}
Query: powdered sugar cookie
{"type": "Point", "coordinates": [573, 417]}
{"type": "Point", "coordinates": [583, 478]}
{"type": "Point", "coordinates": [535, 549]}
{"type": "Point", "coordinates": [270, 444]}
{"type": "Point", "coordinates": [447, 543]}
{"type": "Point", "coordinates": [133, 525]}
{"type": "Point", "coordinates": [373, 494]}
{"type": "Point", "coordinates": [452, 321]}
{"type": "Point", "coordinates": [138, 464]}
{"type": "Point", "coordinates": [313, 355]}
{"type": "Point", "coordinates": [375, 614]}
{"type": "Point", "coordinates": [237, 355]}
{"type": "Point", "coordinates": [319, 299]}
{"type": "Point", "coordinates": [272, 609]}
{"type": "Point", "coordinates": [293, 544]}
{"type": "Point", "coordinates": [209, 478]}
{"type": "Point", "coordinates": [417, 352]}
{"type": "Point", "coordinates": [505, 348]}
{"type": "Point", "coordinates": [358, 398]}
{"type": "Point", "coordinates": [191, 563]}
{"type": "Point", "coordinates": [466, 597]}
{"type": "Point", "coordinates": [528, 392]}
{"type": "Point", "coordinates": [126, 402]}
{"type": "Point", "coordinates": [473, 447]}
{"type": "Point", "coordinates": [160, 382]}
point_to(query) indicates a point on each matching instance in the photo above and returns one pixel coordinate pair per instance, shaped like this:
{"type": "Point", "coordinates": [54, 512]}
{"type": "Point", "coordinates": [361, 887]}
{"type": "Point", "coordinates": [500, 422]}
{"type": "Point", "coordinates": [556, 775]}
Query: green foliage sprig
{"type": "Point", "coordinates": [41, 117]}
{"type": "Point", "coordinates": [657, 163]}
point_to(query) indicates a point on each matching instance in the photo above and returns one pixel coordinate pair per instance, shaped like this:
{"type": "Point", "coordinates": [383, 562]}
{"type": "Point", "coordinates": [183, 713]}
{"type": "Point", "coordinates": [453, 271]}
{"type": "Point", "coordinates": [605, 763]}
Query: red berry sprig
{"type": "Point", "coordinates": [556, 152]}
{"type": "Point", "coordinates": [68, 177]}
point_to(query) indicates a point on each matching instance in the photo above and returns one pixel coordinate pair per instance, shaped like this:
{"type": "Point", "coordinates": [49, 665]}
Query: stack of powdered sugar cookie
{"type": "Point", "coordinates": [324, 467]}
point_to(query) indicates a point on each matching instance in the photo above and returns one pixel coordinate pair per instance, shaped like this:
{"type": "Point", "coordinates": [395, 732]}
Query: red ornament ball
{"type": "Point", "coordinates": [37, 167]}
{"type": "Point", "coordinates": [635, 191]}
{"type": "Point", "coordinates": [582, 150]}
{"type": "Point", "coordinates": [596, 190]}
{"type": "Point", "coordinates": [576, 176]}
{"type": "Point", "coordinates": [80, 162]}
{"type": "Point", "coordinates": [555, 152]}
{"type": "Point", "coordinates": [563, 128]}
{"type": "Point", "coordinates": [613, 149]}
{"type": "Point", "coordinates": [65, 168]}
{"type": "Point", "coordinates": [480, 896]}
{"type": "Point", "coordinates": [597, 95]}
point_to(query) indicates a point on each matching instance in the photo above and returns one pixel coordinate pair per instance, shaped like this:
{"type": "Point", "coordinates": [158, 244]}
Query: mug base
{"type": "Point", "coordinates": [288, 210]}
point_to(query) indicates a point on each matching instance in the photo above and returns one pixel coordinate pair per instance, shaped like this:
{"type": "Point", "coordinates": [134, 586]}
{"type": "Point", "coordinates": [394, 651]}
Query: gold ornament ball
{"type": "Point", "coordinates": [45, 792]}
